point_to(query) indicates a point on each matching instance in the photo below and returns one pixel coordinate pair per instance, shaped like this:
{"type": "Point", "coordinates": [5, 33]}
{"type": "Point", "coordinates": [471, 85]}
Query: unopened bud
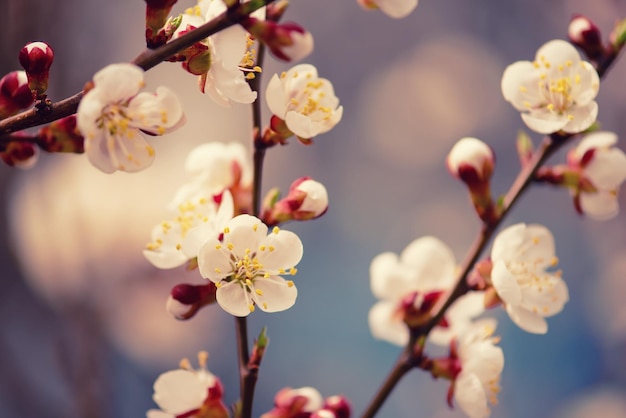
{"type": "Point", "coordinates": [473, 161]}
{"type": "Point", "coordinates": [186, 299]}
{"type": "Point", "coordinates": [286, 41]}
{"type": "Point", "coordinates": [157, 13]}
{"type": "Point", "coordinates": [339, 405]}
{"type": "Point", "coordinates": [292, 403]}
{"type": "Point", "coordinates": [15, 95]}
{"type": "Point", "coordinates": [307, 199]}
{"type": "Point", "coordinates": [323, 413]}
{"type": "Point", "coordinates": [415, 308]}
{"type": "Point", "coordinates": [62, 136]}
{"type": "Point", "coordinates": [585, 35]}
{"type": "Point", "coordinates": [36, 59]}
{"type": "Point", "coordinates": [19, 154]}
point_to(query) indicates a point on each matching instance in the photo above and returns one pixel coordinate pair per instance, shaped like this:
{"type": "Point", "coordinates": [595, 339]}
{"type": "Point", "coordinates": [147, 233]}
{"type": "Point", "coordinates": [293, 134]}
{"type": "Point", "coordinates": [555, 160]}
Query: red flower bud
{"type": "Point", "coordinates": [36, 59]}
{"type": "Point", "coordinates": [15, 94]}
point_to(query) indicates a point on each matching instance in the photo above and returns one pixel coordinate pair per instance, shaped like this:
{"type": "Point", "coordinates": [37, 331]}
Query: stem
{"type": "Point", "coordinates": [146, 60]}
{"type": "Point", "coordinates": [249, 375]}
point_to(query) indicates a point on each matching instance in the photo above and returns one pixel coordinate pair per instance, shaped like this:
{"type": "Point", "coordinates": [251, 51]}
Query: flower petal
{"type": "Point", "coordinates": [384, 325]}
{"type": "Point", "coordinates": [600, 206]}
{"type": "Point", "coordinates": [232, 83]}
{"type": "Point", "coordinates": [527, 320]}
{"type": "Point", "coordinates": [118, 82]}
{"type": "Point", "coordinates": [179, 391]}
{"type": "Point", "coordinates": [432, 262]}
{"type": "Point", "coordinates": [507, 242]}
{"type": "Point", "coordinates": [244, 232]}
{"type": "Point", "coordinates": [582, 117]}
{"type": "Point", "coordinates": [214, 260]}
{"type": "Point", "coordinates": [505, 284]}
{"type": "Point", "coordinates": [519, 85]}
{"type": "Point", "coordinates": [607, 168]}
{"type": "Point", "coordinates": [470, 395]}
{"type": "Point", "coordinates": [599, 140]}
{"type": "Point", "coordinates": [543, 121]}
{"type": "Point", "coordinates": [154, 413]}
{"type": "Point", "coordinates": [278, 294]}
{"type": "Point", "coordinates": [286, 254]}
{"type": "Point", "coordinates": [397, 8]}
{"type": "Point", "coordinates": [234, 299]}
{"type": "Point", "coordinates": [275, 96]}
{"type": "Point", "coordinates": [165, 260]}
{"type": "Point", "coordinates": [156, 112]}
{"type": "Point", "coordinates": [546, 296]}
{"type": "Point", "coordinates": [558, 52]}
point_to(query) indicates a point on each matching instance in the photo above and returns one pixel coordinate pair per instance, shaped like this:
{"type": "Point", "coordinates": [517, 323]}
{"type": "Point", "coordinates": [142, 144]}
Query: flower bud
{"type": "Point", "coordinates": [186, 299]}
{"type": "Point", "coordinates": [323, 413]}
{"type": "Point", "coordinates": [286, 41]}
{"type": "Point", "coordinates": [617, 38]}
{"type": "Point", "coordinates": [62, 136]}
{"type": "Point", "coordinates": [19, 154]}
{"type": "Point", "coordinates": [473, 161]}
{"type": "Point", "coordinates": [15, 94]}
{"type": "Point", "coordinates": [36, 59]}
{"type": "Point", "coordinates": [157, 13]}
{"type": "Point", "coordinates": [585, 35]}
{"type": "Point", "coordinates": [295, 403]}
{"type": "Point", "coordinates": [339, 405]}
{"type": "Point", "coordinates": [307, 199]}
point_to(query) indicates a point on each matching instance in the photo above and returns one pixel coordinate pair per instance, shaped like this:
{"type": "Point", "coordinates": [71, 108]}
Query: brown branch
{"type": "Point", "coordinates": [146, 60]}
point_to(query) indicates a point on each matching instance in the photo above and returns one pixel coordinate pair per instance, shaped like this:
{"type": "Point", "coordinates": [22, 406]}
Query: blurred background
{"type": "Point", "coordinates": [83, 328]}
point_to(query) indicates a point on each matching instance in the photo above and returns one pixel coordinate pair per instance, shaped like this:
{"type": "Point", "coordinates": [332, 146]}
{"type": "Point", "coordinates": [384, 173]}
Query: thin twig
{"type": "Point", "coordinates": [146, 60]}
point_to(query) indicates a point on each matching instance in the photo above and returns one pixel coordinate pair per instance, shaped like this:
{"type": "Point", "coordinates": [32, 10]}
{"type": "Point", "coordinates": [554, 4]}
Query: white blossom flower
{"type": "Point", "coordinates": [178, 240]}
{"type": "Point", "coordinates": [426, 265]}
{"type": "Point", "coordinates": [224, 82]}
{"type": "Point", "coordinates": [246, 264]}
{"type": "Point", "coordinates": [604, 166]}
{"type": "Point", "coordinates": [112, 115]}
{"type": "Point", "coordinates": [305, 102]}
{"type": "Point", "coordinates": [521, 254]}
{"type": "Point", "coordinates": [481, 362]}
{"type": "Point", "coordinates": [393, 8]}
{"type": "Point", "coordinates": [188, 392]}
{"type": "Point", "coordinates": [554, 92]}
{"type": "Point", "coordinates": [214, 167]}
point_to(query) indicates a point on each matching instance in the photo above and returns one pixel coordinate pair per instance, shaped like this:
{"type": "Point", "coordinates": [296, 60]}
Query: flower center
{"type": "Point", "coordinates": [310, 100]}
{"type": "Point", "coordinates": [557, 91]}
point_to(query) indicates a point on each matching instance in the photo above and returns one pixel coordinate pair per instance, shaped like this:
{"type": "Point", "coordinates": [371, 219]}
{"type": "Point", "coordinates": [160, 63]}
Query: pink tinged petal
{"type": "Point", "coordinates": [526, 320]}
{"type": "Point", "coordinates": [432, 262]}
{"type": "Point", "coordinates": [600, 140]}
{"type": "Point", "coordinates": [519, 85]}
{"type": "Point", "coordinates": [301, 48]}
{"type": "Point", "coordinates": [544, 122]}
{"type": "Point", "coordinates": [214, 261]}
{"type": "Point", "coordinates": [558, 52]}
{"type": "Point", "coordinates": [607, 169]}
{"type": "Point", "coordinates": [118, 82]}
{"type": "Point", "coordinates": [397, 9]}
{"type": "Point", "coordinates": [505, 284]}
{"type": "Point", "coordinates": [385, 325]}
{"type": "Point", "coordinates": [286, 253]}
{"type": "Point", "coordinates": [179, 391]}
{"type": "Point", "coordinates": [545, 297]}
{"type": "Point", "coordinates": [157, 112]}
{"type": "Point", "coordinates": [231, 83]}
{"type": "Point", "coordinates": [601, 206]}
{"type": "Point", "coordinates": [582, 117]}
{"type": "Point", "coordinates": [470, 395]}
{"type": "Point", "coordinates": [165, 260]}
{"type": "Point", "coordinates": [234, 299]}
{"type": "Point", "coordinates": [244, 232]}
{"type": "Point", "coordinates": [276, 98]}
{"type": "Point", "coordinates": [277, 294]}
{"type": "Point", "coordinates": [226, 211]}
{"type": "Point", "coordinates": [507, 243]}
